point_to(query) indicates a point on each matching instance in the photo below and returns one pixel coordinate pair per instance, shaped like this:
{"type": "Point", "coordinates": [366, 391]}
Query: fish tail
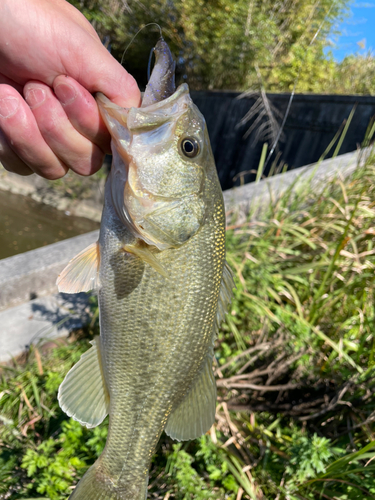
{"type": "Point", "coordinates": [94, 486]}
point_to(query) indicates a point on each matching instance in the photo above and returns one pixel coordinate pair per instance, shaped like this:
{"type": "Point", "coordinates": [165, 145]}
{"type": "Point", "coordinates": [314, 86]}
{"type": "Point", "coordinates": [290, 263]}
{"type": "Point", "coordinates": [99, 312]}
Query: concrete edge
{"type": "Point", "coordinates": [18, 184]}
{"type": "Point", "coordinates": [242, 199]}
{"type": "Point", "coordinates": [41, 320]}
{"type": "Point", "coordinates": [55, 315]}
{"type": "Point", "coordinates": [33, 274]}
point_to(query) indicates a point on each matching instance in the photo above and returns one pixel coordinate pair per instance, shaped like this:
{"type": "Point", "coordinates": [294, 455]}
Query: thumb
{"type": "Point", "coordinates": [94, 67]}
{"type": "Point", "coordinates": [102, 73]}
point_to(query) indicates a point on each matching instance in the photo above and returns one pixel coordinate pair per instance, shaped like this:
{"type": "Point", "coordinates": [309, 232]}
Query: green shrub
{"type": "Point", "coordinates": [295, 371]}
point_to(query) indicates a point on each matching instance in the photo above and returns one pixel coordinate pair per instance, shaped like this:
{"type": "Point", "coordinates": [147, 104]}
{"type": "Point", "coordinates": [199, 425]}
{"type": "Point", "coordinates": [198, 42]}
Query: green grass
{"type": "Point", "coordinates": [295, 365]}
{"type": "Point", "coordinates": [304, 311]}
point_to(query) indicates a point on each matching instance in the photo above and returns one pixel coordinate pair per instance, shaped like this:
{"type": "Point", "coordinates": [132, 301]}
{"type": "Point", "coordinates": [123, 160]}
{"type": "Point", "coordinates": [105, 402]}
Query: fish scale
{"type": "Point", "coordinates": [163, 289]}
{"type": "Point", "coordinates": [150, 383]}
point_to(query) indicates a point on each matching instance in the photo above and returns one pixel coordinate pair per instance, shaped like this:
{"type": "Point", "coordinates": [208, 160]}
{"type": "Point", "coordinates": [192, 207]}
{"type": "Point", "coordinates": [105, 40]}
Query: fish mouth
{"type": "Point", "coordinates": [136, 185]}
{"type": "Point", "coordinates": [140, 204]}
{"type": "Point", "coordinates": [120, 121]}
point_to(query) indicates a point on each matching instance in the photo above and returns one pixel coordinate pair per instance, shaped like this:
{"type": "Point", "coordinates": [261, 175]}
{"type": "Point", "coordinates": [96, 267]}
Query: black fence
{"type": "Point", "coordinates": [312, 123]}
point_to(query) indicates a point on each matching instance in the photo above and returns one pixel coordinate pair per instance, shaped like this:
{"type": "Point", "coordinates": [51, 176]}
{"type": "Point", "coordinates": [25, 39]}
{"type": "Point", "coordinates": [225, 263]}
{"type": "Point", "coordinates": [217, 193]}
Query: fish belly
{"type": "Point", "coordinates": [155, 336]}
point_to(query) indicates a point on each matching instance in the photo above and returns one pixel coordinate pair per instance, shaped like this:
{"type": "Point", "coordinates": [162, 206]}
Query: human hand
{"type": "Point", "coordinates": [51, 55]}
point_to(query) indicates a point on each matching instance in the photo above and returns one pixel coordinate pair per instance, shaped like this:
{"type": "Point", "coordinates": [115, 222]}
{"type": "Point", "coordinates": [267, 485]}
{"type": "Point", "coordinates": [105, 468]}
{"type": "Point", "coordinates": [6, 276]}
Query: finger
{"type": "Point", "coordinates": [67, 47]}
{"type": "Point", "coordinates": [82, 111]}
{"type": "Point", "coordinates": [73, 149]}
{"type": "Point", "coordinates": [21, 131]}
{"type": "Point", "coordinates": [114, 82]}
{"type": "Point", "coordinates": [97, 71]}
{"type": "Point", "coordinates": [10, 161]}
{"type": "Point", "coordinates": [8, 81]}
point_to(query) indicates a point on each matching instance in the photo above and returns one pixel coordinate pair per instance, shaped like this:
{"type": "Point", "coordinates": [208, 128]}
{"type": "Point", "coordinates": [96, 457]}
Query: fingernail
{"type": "Point", "coordinates": [9, 106]}
{"type": "Point", "coordinates": [35, 96]}
{"type": "Point", "coordinates": [65, 93]}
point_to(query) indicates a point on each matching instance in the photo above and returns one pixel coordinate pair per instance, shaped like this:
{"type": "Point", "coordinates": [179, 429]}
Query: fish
{"type": "Point", "coordinates": [163, 288]}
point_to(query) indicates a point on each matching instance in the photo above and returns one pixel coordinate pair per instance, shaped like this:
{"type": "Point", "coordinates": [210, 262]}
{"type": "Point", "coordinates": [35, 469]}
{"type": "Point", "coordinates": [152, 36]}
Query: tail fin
{"type": "Point", "coordinates": [95, 486]}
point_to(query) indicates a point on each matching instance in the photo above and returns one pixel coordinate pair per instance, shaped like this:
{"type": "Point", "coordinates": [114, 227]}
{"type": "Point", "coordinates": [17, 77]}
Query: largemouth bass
{"type": "Point", "coordinates": [163, 288]}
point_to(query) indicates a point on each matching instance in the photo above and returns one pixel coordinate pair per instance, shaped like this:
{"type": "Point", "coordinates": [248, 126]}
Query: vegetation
{"type": "Point", "coordinates": [225, 44]}
{"type": "Point", "coordinates": [354, 75]}
{"type": "Point", "coordinates": [295, 370]}
{"type": "Point", "coordinates": [295, 360]}
{"type": "Point", "coordinates": [236, 44]}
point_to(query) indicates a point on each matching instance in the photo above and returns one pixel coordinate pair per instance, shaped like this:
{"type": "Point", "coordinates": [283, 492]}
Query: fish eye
{"type": "Point", "coordinates": [190, 147]}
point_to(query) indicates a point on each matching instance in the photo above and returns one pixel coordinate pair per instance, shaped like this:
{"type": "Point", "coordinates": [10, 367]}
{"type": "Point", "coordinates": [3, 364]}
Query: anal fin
{"type": "Point", "coordinates": [82, 272]}
{"type": "Point", "coordinates": [83, 394]}
{"type": "Point", "coordinates": [196, 413]}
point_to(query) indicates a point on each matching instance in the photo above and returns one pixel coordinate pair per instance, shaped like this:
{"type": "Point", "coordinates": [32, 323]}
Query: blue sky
{"type": "Point", "coordinates": [358, 31]}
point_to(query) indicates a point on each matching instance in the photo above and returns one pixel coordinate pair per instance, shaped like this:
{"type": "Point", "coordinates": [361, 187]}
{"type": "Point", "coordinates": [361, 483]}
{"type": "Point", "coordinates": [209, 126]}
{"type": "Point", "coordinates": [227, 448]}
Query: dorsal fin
{"type": "Point", "coordinates": [196, 413]}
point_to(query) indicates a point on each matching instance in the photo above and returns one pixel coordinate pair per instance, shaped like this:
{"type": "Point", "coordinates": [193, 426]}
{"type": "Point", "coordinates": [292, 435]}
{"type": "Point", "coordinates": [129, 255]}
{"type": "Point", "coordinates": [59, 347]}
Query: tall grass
{"type": "Point", "coordinates": [304, 311]}
{"type": "Point", "coordinates": [295, 367]}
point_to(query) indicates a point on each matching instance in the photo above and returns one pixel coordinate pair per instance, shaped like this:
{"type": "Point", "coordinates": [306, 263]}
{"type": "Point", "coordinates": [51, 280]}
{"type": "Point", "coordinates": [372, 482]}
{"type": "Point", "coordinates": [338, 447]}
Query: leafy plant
{"type": "Point", "coordinates": [295, 370]}
{"type": "Point", "coordinates": [220, 44]}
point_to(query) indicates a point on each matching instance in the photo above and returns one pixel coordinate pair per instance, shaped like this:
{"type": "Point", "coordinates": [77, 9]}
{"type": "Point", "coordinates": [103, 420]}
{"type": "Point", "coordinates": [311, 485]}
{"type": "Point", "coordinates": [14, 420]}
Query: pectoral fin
{"type": "Point", "coordinates": [83, 394]}
{"type": "Point", "coordinates": [142, 251]}
{"type": "Point", "coordinates": [196, 413]}
{"type": "Point", "coordinates": [82, 272]}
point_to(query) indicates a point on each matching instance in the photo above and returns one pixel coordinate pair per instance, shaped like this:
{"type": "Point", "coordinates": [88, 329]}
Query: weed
{"type": "Point", "coordinates": [295, 367]}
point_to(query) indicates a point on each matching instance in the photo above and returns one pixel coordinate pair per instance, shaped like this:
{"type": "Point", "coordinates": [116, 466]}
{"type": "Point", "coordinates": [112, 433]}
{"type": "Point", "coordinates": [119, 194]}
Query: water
{"type": "Point", "coordinates": [26, 224]}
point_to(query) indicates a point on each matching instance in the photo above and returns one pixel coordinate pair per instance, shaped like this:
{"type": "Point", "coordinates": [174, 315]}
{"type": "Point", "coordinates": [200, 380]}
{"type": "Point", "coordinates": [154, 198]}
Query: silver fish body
{"type": "Point", "coordinates": [162, 294]}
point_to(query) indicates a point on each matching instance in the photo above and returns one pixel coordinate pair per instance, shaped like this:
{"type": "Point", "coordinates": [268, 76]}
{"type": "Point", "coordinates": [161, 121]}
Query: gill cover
{"type": "Point", "coordinates": [158, 171]}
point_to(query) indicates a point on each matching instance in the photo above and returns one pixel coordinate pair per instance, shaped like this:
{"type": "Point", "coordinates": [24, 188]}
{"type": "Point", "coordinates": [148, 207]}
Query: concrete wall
{"type": "Point", "coordinates": [33, 274]}
{"type": "Point", "coordinates": [41, 319]}
{"type": "Point", "coordinates": [31, 308]}
{"type": "Point", "coordinates": [42, 191]}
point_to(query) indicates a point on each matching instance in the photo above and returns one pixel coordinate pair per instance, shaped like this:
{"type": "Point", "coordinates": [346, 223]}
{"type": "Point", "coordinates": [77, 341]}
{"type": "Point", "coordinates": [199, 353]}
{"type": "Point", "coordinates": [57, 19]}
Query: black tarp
{"type": "Point", "coordinates": [311, 124]}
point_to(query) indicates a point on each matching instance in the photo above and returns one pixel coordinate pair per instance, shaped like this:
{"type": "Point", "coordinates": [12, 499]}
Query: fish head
{"type": "Point", "coordinates": [161, 153]}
